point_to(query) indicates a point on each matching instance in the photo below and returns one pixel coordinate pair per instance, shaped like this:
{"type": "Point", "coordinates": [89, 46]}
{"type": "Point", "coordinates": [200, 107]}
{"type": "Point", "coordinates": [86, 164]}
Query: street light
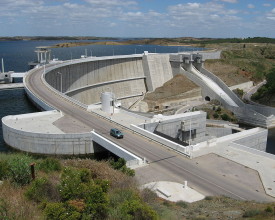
{"type": "Point", "coordinates": [60, 81]}
{"type": "Point", "coordinates": [190, 129]}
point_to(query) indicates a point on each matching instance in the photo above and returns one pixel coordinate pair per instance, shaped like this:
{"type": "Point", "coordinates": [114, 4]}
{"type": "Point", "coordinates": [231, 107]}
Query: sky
{"type": "Point", "coordinates": [138, 18]}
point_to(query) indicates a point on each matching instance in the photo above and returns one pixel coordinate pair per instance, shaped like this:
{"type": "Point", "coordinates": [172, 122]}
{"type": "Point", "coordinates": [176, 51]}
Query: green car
{"type": "Point", "coordinates": [116, 133]}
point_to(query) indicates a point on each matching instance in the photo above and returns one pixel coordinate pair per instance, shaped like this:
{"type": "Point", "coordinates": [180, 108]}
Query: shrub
{"type": "Point", "coordinates": [120, 164]}
{"type": "Point", "coordinates": [225, 117]}
{"type": "Point", "coordinates": [215, 115]}
{"type": "Point", "coordinates": [4, 213]}
{"type": "Point", "coordinates": [77, 186]}
{"type": "Point", "coordinates": [208, 198]}
{"type": "Point", "coordinates": [59, 211]}
{"type": "Point", "coordinates": [19, 169]}
{"type": "Point", "coordinates": [251, 213]}
{"type": "Point", "coordinates": [49, 164]}
{"type": "Point", "coordinates": [135, 209]}
{"type": "Point", "coordinates": [72, 184]}
{"type": "Point", "coordinates": [182, 204]}
{"type": "Point", "coordinates": [269, 209]}
{"type": "Point", "coordinates": [42, 190]}
{"type": "Point", "coordinates": [148, 195]}
{"type": "Point", "coordinates": [219, 109]}
{"type": "Point", "coordinates": [4, 169]}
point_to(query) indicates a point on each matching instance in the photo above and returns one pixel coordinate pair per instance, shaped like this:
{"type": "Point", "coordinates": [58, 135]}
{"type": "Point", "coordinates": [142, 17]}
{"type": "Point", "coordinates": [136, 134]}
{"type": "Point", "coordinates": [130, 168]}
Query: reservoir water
{"type": "Point", "coordinates": [17, 54]}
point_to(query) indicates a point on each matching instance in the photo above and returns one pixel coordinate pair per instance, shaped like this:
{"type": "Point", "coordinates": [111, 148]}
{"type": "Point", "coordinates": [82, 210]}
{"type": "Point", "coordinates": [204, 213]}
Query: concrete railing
{"type": "Point", "coordinates": [163, 141]}
{"type": "Point", "coordinates": [35, 99]}
{"type": "Point", "coordinates": [132, 160]}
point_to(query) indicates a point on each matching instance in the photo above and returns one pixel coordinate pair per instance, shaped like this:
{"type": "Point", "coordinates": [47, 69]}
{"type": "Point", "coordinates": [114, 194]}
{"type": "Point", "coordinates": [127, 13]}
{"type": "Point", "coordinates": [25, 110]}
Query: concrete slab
{"type": "Point", "coordinates": [264, 165]}
{"type": "Point", "coordinates": [174, 192]}
{"type": "Point", "coordinates": [68, 124]}
{"type": "Point", "coordinates": [40, 122]}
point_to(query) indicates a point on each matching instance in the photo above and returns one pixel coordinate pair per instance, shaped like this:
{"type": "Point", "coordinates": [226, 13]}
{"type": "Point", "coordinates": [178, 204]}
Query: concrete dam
{"type": "Point", "coordinates": [74, 123]}
{"type": "Point", "coordinates": [128, 77]}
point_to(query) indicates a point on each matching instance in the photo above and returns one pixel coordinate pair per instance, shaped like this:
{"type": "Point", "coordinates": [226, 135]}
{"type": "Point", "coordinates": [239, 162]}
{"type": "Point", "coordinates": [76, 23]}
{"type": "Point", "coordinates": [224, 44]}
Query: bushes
{"type": "Point", "coordinates": [120, 164]}
{"type": "Point", "coordinates": [126, 204]}
{"type": "Point", "coordinates": [215, 115]}
{"type": "Point", "coordinates": [81, 196]}
{"type": "Point", "coordinates": [41, 190]}
{"type": "Point", "coordinates": [60, 211]}
{"type": "Point", "coordinates": [225, 117]}
{"type": "Point", "coordinates": [251, 213]}
{"type": "Point", "coordinates": [4, 169]}
{"type": "Point", "coordinates": [19, 169]}
{"type": "Point", "coordinates": [49, 165]}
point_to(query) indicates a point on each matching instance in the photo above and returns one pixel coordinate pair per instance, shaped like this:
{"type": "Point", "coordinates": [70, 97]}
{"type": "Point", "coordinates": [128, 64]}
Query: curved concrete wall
{"type": "Point", "coordinates": [42, 143]}
{"type": "Point", "coordinates": [85, 80]}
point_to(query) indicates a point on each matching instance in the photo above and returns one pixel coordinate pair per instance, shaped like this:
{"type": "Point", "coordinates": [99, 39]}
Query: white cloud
{"type": "Point", "coordinates": [251, 6]}
{"type": "Point", "coordinates": [111, 3]}
{"type": "Point", "coordinates": [267, 5]}
{"type": "Point", "coordinates": [271, 15]}
{"type": "Point", "coordinates": [230, 1]}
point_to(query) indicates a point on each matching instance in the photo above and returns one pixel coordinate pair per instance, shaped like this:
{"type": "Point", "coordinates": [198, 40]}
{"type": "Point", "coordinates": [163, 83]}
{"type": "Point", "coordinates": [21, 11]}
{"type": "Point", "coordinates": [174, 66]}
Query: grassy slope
{"type": "Point", "coordinates": [14, 204]}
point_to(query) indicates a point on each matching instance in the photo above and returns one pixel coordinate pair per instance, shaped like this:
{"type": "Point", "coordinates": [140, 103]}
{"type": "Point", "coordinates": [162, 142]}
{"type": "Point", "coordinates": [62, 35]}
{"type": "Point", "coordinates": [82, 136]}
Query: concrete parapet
{"type": "Point", "coordinates": [36, 100]}
{"type": "Point", "coordinates": [163, 141]}
{"type": "Point", "coordinates": [46, 143]}
{"type": "Point", "coordinates": [132, 160]}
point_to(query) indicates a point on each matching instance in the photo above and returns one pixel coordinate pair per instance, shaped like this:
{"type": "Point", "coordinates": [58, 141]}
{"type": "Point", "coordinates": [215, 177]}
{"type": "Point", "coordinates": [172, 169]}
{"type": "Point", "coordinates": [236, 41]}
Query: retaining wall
{"type": "Point", "coordinates": [254, 138]}
{"type": "Point", "coordinates": [40, 143]}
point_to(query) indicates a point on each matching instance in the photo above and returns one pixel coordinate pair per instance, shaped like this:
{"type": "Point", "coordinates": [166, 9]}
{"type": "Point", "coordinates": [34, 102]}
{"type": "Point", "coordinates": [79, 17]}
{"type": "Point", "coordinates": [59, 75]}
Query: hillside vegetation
{"type": "Point", "coordinates": [88, 189]}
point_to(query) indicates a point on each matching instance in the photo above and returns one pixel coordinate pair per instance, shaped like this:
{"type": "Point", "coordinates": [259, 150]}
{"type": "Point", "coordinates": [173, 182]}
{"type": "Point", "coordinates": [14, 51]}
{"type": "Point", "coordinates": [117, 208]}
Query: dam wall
{"type": "Point", "coordinates": [157, 70]}
{"type": "Point", "coordinates": [86, 79]}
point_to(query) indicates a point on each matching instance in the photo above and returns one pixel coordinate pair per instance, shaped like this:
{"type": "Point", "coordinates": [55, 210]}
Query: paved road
{"type": "Point", "coordinates": [165, 161]}
{"type": "Point", "coordinates": [247, 95]}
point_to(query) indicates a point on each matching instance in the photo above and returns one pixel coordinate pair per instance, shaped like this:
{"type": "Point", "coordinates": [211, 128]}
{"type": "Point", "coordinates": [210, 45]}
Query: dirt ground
{"type": "Point", "coordinates": [229, 74]}
{"type": "Point", "coordinates": [175, 86]}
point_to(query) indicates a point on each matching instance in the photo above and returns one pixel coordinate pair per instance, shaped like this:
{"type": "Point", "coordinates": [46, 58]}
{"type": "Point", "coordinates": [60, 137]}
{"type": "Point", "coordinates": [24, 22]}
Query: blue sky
{"type": "Point", "coordinates": [138, 18]}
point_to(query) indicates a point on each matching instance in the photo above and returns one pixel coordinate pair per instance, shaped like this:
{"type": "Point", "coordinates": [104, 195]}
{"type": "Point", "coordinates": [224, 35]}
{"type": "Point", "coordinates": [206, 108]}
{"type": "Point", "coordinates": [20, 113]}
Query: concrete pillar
{"type": "Point", "coordinates": [185, 185]}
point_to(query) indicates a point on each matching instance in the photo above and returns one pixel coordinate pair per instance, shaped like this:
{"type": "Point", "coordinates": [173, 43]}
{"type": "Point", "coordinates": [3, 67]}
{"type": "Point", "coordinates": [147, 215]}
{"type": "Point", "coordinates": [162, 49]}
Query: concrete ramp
{"type": "Point", "coordinates": [131, 159]}
{"type": "Point", "coordinates": [213, 86]}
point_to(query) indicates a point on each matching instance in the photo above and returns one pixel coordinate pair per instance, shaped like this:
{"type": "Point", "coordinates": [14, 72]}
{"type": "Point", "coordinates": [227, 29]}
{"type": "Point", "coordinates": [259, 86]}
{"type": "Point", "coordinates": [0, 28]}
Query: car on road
{"type": "Point", "coordinates": [116, 133]}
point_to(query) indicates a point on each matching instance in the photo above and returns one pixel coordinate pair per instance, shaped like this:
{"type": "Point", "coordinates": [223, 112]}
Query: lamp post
{"type": "Point", "coordinates": [190, 129]}
{"type": "Point", "coordinates": [60, 81]}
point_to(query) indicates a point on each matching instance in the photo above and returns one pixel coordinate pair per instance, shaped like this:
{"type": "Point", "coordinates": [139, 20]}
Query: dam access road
{"type": "Point", "coordinates": [164, 162]}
